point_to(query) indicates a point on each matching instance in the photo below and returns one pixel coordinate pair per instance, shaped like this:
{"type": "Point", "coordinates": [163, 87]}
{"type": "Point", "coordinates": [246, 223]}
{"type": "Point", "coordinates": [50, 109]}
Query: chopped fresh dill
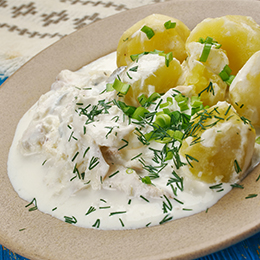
{"type": "Point", "coordinates": [97, 223]}
{"type": "Point", "coordinates": [122, 147]}
{"type": "Point", "coordinates": [251, 196]}
{"type": "Point", "coordinates": [113, 174]}
{"type": "Point", "coordinates": [165, 219]}
{"type": "Point", "coordinates": [93, 163]}
{"type": "Point", "coordinates": [236, 185]}
{"type": "Point", "coordinates": [70, 220]}
{"type": "Point", "coordinates": [178, 201]}
{"type": "Point", "coordinates": [121, 221]}
{"type": "Point", "coordinates": [237, 167]}
{"type": "Point", "coordinates": [116, 213]}
{"type": "Point", "coordinates": [90, 210]}
{"type": "Point", "coordinates": [33, 202]}
{"type": "Point", "coordinates": [142, 197]}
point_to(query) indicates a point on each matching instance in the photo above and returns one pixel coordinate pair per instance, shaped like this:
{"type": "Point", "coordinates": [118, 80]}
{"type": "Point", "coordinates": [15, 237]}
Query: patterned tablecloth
{"type": "Point", "coordinates": [27, 27]}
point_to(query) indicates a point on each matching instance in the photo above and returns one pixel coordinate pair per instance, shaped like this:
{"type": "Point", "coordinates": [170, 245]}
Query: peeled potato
{"type": "Point", "coordinates": [151, 75]}
{"type": "Point", "coordinates": [134, 41]}
{"type": "Point", "coordinates": [202, 77]}
{"type": "Point", "coordinates": [221, 146]}
{"type": "Point", "coordinates": [239, 36]}
{"type": "Point", "coordinates": [244, 90]}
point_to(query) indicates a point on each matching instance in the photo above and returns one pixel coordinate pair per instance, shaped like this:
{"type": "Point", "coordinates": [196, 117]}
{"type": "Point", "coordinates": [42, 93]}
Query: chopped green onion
{"type": "Point", "coordinates": [205, 53]}
{"type": "Point", "coordinates": [139, 113]}
{"type": "Point", "coordinates": [146, 180]}
{"type": "Point", "coordinates": [120, 86]}
{"type": "Point", "coordinates": [182, 102]}
{"type": "Point", "coordinates": [163, 120]}
{"type": "Point", "coordinates": [109, 87]}
{"type": "Point", "coordinates": [168, 59]}
{"type": "Point", "coordinates": [257, 140]}
{"type": "Point", "coordinates": [169, 25]}
{"type": "Point", "coordinates": [148, 31]}
{"type": "Point", "coordinates": [129, 171]}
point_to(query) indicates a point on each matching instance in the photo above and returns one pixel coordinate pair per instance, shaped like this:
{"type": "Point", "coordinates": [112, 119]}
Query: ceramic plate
{"type": "Point", "coordinates": [231, 220]}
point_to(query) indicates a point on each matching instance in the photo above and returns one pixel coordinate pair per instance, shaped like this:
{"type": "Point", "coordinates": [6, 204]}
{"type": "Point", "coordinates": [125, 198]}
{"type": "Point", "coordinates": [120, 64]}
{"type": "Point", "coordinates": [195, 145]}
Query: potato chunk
{"type": "Point", "coordinates": [221, 146]}
{"type": "Point", "coordinates": [202, 77]}
{"type": "Point", "coordinates": [135, 41]}
{"type": "Point", "coordinates": [245, 88]}
{"type": "Point", "coordinates": [239, 36]}
{"type": "Point", "coordinates": [149, 74]}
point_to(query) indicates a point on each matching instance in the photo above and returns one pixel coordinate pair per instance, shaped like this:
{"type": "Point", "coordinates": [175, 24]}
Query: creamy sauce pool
{"type": "Point", "coordinates": [53, 177]}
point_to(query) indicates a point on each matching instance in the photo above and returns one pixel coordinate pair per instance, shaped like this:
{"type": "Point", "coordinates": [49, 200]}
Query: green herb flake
{"type": "Point", "coordinates": [237, 167]}
{"type": "Point", "coordinates": [90, 210]}
{"type": "Point", "coordinates": [70, 220]}
{"type": "Point", "coordinates": [169, 25]}
{"type": "Point", "coordinates": [148, 31]}
{"type": "Point", "coordinates": [97, 223]}
{"type": "Point", "coordinates": [250, 196]}
{"type": "Point", "coordinates": [33, 202]}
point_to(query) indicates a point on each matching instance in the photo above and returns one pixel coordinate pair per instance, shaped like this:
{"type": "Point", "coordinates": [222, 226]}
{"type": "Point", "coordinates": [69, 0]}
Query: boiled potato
{"type": "Point", "coordinates": [149, 74]}
{"type": "Point", "coordinates": [221, 146]}
{"type": "Point", "coordinates": [245, 88]}
{"type": "Point", "coordinates": [202, 77]}
{"type": "Point", "coordinates": [239, 36]}
{"type": "Point", "coordinates": [135, 41]}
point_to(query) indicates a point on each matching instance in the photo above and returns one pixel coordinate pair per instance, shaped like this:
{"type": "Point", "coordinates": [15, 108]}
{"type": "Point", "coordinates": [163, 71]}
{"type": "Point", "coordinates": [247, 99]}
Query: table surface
{"type": "Point", "coordinates": [36, 25]}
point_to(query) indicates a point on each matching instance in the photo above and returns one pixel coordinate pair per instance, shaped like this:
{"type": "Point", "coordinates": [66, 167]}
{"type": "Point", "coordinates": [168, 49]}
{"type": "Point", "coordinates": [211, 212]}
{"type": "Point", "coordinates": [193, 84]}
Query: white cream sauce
{"type": "Point", "coordinates": [50, 151]}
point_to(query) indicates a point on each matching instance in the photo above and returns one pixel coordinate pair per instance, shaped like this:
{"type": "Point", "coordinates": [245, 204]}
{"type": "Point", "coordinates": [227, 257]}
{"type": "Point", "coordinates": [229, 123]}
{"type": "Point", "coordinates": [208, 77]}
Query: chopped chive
{"type": "Point", "coordinates": [54, 209]}
{"type": "Point", "coordinates": [148, 224]}
{"type": "Point", "coordinates": [258, 178]}
{"type": "Point", "coordinates": [129, 201]}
